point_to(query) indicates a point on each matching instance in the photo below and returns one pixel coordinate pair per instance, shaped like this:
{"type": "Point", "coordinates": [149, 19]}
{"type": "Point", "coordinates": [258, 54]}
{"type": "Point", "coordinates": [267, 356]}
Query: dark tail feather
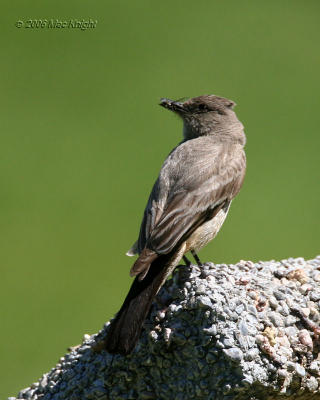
{"type": "Point", "coordinates": [125, 329]}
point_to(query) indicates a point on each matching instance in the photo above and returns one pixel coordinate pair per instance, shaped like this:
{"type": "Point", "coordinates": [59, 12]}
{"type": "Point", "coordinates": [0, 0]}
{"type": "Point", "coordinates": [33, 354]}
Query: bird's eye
{"type": "Point", "coordinates": [202, 107]}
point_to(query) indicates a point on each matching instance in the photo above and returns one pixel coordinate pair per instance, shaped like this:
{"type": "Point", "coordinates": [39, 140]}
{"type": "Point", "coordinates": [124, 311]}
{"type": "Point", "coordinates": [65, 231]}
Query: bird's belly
{"type": "Point", "coordinates": [206, 232]}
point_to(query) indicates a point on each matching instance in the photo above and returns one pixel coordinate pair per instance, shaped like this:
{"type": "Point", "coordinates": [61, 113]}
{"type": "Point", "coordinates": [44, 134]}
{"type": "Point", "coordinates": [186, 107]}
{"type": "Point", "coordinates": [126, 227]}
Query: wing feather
{"type": "Point", "coordinates": [198, 176]}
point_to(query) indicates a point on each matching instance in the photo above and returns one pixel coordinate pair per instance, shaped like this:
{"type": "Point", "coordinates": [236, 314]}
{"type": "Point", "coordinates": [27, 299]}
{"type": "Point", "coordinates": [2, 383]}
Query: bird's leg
{"type": "Point", "coordinates": [187, 262]}
{"type": "Point", "coordinates": [195, 256]}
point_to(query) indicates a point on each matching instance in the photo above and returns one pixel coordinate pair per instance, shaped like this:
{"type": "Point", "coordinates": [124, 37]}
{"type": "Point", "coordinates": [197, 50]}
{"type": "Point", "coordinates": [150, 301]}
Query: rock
{"type": "Point", "coordinates": [230, 333]}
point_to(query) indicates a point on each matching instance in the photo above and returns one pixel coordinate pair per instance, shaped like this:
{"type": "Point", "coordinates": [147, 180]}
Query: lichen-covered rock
{"type": "Point", "coordinates": [243, 331]}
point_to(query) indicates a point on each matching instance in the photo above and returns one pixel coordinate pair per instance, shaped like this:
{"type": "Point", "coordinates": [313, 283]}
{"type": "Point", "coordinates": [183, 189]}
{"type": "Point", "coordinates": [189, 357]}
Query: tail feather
{"type": "Point", "coordinates": [143, 263]}
{"type": "Point", "coordinates": [125, 329]}
{"type": "Point", "coordinates": [133, 250]}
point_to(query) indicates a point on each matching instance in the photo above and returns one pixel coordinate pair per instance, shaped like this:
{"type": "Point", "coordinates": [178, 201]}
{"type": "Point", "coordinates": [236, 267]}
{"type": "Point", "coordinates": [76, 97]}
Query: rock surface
{"type": "Point", "coordinates": [243, 331]}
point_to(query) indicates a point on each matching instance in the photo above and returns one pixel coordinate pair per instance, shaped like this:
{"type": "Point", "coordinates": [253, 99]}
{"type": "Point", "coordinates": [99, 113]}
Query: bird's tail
{"type": "Point", "coordinates": [125, 329]}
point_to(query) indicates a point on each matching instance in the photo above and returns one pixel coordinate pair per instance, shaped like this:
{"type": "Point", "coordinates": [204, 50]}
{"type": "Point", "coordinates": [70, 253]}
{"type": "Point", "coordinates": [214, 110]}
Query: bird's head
{"type": "Point", "coordinates": [207, 115]}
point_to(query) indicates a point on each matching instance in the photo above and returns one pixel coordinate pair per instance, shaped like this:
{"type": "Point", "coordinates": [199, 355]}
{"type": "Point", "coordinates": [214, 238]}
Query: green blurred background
{"type": "Point", "coordinates": [82, 141]}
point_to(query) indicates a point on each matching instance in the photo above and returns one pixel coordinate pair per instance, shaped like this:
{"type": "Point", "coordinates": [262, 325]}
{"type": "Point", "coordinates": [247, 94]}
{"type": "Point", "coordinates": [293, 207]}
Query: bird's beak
{"type": "Point", "coordinates": [172, 105]}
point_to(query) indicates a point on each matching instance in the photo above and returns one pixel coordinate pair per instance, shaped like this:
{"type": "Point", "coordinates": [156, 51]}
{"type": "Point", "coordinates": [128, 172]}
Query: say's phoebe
{"type": "Point", "coordinates": [186, 208]}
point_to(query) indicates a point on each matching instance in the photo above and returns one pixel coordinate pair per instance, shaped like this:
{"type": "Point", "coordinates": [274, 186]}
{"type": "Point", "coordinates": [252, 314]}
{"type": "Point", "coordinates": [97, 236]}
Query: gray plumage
{"type": "Point", "coordinates": [187, 205]}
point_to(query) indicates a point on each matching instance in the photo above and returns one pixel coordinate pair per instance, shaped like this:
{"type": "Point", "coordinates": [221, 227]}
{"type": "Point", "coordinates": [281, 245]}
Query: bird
{"type": "Point", "coordinates": [186, 207]}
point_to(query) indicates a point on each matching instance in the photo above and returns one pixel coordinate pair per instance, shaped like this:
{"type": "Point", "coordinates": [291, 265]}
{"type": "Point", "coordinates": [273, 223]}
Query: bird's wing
{"type": "Point", "coordinates": [197, 176]}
